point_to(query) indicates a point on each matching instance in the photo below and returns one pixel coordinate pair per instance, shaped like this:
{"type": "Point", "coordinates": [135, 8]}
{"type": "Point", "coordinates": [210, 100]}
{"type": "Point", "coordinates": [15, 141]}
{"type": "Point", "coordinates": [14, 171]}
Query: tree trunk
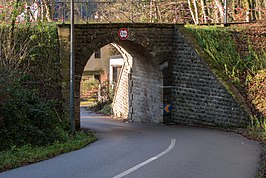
{"type": "Point", "coordinates": [158, 12]}
{"type": "Point", "coordinates": [47, 11]}
{"type": "Point", "coordinates": [216, 15]}
{"type": "Point", "coordinates": [42, 11]}
{"type": "Point", "coordinates": [196, 11]}
{"type": "Point", "coordinates": [254, 5]}
{"type": "Point", "coordinates": [14, 14]}
{"type": "Point", "coordinates": [220, 8]}
{"type": "Point", "coordinates": [151, 10]}
{"type": "Point", "coordinates": [233, 10]}
{"type": "Point", "coordinates": [204, 13]}
{"type": "Point", "coordinates": [191, 12]}
{"type": "Point", "coordinates": [261, 7]}
{"type": "Point", "coordinates": [248, 12]}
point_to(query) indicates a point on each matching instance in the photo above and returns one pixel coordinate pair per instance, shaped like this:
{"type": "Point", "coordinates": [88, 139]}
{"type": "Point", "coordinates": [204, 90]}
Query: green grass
{"type": "Point", "coordinates": [27, 154]}
{"type": "Point", "coordinates": [218, 42]}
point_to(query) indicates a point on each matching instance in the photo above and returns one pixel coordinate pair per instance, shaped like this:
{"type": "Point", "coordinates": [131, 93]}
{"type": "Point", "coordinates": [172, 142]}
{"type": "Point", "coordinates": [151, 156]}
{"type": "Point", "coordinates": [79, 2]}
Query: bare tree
{"type": "Point", "coordinates": [204, 12]}
{"type": "Point", "coordinates": [192, 11]}
{"type": "Point", "coordinates": [220, 8]}
{"type": "Point", "coordinates": [14, 48]}
{"type": "Point", "coordinates": [45, 10]}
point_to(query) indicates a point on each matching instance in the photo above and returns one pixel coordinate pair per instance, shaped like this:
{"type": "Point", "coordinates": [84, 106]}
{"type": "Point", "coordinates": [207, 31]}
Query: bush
{"type": "Point", "coordinates": [102, 107]}
{"type": "Point", "coordinates": [256, 90]}
{"type": "Point", "coordinates": [26, 117]}
{"type": "Point", "coordinates": [107, 109]}
{"type": "Point", "coordinates": [31, 111]}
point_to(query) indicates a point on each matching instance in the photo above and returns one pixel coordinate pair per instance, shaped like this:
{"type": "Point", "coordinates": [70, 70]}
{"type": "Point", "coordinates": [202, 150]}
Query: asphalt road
{"type": "Point", "coordinates": [150, 151]}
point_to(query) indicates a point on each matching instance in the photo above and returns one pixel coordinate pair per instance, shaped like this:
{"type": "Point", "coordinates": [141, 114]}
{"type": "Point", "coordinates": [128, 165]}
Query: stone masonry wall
{"type": "Point", "coordinates": [146, 97]}
{"type": "Point", "coordinates": [165, 70]}
{"type": "Point", "coordinates": [122, 99]}
{"type": "Point", "coordinates": [138, 96]}
{"type": "Point", "coordinates": [198, 96]}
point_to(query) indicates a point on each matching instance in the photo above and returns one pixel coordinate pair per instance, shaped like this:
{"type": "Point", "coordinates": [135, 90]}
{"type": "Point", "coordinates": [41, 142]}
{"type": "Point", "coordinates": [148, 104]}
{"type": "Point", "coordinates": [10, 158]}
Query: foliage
{"type": "Point", "coordinates": [107, 109]}
{"type": "Point", "coordinates": [29, 154]}
{"type": "Point", "coordinates": [92, 83]}
{"type": "Point", "coordinates": [105, 93]}
{"type": "Point", "coordinates": [256, 88]}
{"type": "Point", "coordinates": [247, 73]}
{"type": "Point", "coordinates": [32, 122]}
{"type": "Point", "coordinates": [224, 55]}
{"type": "Point", "coordinates": [32, 49]}
{"type": "Point", "coordinates": [27, 117]}
{"type": "Point", "coordinates": [89, 89]}
{"type": "Point", "coordinates": [102, 107]}
{"type": "Point", "coordinates": [223, 52]}
{"type": "Point", "coordinates": [44, 60]}
{"type": "Point", "coordinates": [31, 109]}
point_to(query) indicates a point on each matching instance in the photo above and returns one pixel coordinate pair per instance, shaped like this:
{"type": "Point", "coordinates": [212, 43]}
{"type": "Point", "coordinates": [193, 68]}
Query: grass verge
{"type": "Point", "coordinates": [27, 154]}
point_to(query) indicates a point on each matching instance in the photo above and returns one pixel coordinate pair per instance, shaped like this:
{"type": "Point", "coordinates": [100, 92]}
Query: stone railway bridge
{"type": "Point", "coordinates": [161, 70]}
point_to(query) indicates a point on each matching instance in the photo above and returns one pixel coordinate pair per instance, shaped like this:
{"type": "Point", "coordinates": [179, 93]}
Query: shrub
{"type": "Point", "coordinates": [31, 109]}
{"type": "Point", "coordinates": [26, 117]}
{"type": "Point", "coordinates": [256, 90]}
{"type": "Point", "coordinates": [107, 109]}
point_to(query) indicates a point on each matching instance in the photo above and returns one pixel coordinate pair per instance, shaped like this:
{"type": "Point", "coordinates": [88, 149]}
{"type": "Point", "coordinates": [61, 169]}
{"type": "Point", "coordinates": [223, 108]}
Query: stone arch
{"type": "Point", "coordinates": [97, 42]}
{"type": "Point", "coordinates": [142, 81]}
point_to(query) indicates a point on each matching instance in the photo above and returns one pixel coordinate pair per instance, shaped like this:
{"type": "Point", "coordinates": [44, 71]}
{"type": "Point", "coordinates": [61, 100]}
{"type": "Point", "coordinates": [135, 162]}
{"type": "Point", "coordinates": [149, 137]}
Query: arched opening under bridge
{"type": "Point", "coordinates": [139, 94]}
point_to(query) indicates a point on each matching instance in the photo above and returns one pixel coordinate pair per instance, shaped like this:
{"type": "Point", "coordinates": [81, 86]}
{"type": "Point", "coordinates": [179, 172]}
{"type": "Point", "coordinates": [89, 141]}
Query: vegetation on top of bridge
{"type": "Point", "coordinates": [246, 70]}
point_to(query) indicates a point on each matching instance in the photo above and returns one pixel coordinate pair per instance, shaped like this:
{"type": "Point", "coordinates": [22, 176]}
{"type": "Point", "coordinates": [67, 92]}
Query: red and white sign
{"type": "Point", "coordinates": [123, 33]}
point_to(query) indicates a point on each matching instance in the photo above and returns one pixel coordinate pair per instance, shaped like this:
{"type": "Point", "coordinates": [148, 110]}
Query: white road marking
{"type": "Point", "coordinates": [171, 146]}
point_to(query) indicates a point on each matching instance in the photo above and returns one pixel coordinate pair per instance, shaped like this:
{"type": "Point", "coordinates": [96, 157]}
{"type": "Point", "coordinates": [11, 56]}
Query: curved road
{"type": "Point", "coordinates": [150, 151]}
